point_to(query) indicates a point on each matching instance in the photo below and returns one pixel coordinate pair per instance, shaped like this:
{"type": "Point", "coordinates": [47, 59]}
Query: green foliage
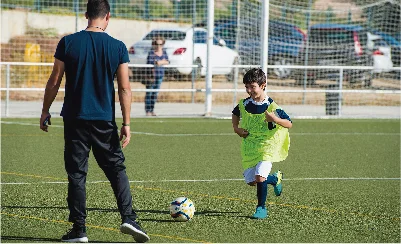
{"type": "Point", "coordinates": [49, 32]}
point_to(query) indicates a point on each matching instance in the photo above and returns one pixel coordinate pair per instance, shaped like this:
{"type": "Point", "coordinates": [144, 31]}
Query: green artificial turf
{"type": "Point", "coordinates": [341, 183]}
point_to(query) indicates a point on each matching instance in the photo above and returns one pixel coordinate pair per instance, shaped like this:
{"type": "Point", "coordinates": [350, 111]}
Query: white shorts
{"type": "Point", "coordinates": [263, 169]}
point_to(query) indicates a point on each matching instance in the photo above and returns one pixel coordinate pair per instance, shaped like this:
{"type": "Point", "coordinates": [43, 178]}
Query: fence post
{"type": "Point", "coordinates": [308, 17]}
{"type": "Point", "coordinates": [209, 68]}
{"type": "Point", "coordinates": [193, 49]}
{"type": "Point", "coordinates": [340, 94]}
{"type": "Point", "coordinates": [146, 10]}
{"type": "Point", "coordinates": [264, 34]}
{"type": "Point", "coordinates": [177, 10]}
{"type": "Point", "coordinates": [8, 88]}
{"type": "Point", "coordinates": [37, 5]}
{"type": "Point", "coordinates": [349, 17]}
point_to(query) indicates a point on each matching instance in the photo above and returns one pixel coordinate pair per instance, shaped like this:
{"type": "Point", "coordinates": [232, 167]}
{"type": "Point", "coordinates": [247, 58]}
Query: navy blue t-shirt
{"type": "Point", "coordinates": [91, 60]}
{"type": "Point", "coordinates": [254, 107]}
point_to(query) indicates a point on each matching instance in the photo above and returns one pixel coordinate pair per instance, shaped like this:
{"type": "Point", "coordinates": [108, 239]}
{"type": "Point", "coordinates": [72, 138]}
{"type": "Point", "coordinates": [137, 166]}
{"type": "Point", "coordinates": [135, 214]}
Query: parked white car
{"type": "Point", "coordinates": [187, 46]}
{"type": "Point", "coordinates": [381, 53]}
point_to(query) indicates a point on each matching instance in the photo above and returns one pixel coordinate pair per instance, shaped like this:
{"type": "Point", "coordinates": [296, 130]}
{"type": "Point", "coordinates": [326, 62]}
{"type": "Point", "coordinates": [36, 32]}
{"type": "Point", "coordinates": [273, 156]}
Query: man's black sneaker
{"type": "Point", "coordinates": [75, 235]}
{"type": "Point", "coordinates": [132, 228]}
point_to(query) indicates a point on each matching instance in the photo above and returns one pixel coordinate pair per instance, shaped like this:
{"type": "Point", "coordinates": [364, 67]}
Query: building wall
{"type": "Point", "coordinates": [15, 23]}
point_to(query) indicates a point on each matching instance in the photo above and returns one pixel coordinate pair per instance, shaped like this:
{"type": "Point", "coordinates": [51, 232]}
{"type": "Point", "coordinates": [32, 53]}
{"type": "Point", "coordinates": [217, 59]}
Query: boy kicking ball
{"type": "Point", "coordinates": [263, 126]}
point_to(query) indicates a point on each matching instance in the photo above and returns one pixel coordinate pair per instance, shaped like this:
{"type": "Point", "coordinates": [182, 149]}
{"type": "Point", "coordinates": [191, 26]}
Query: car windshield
{"type": "Point", "coordinates": [167, 34]}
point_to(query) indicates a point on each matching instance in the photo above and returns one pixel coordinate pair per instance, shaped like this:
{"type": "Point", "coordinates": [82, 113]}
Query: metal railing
{"type": "Point", "coordinates": [340, 91]}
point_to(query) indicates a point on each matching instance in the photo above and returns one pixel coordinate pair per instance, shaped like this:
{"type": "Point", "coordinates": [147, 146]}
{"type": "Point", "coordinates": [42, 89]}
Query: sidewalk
{"type": "Point", "coordinates": [23, 109]}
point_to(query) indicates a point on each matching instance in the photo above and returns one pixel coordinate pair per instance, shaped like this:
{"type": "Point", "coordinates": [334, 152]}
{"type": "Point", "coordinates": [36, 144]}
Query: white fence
{"type": "Point", "coordinates": [302, 101]}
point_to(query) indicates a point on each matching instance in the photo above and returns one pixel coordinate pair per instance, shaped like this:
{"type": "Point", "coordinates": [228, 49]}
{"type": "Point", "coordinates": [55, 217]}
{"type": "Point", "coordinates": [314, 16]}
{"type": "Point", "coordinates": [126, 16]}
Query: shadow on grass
{"type": "Point", "coordinates": [204, 213]}
{"type": "Point", "coordinates": [28, 239]}
{"type": "Point", "coordinates": [61, 208]}
{"type": "Point", "coordinates": [34, 239]}
{"type": "Point", "coordinates": [151, 211]}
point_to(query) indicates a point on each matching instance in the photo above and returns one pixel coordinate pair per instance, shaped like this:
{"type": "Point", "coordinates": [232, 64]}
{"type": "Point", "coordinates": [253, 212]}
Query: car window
{"type": "Point", "coordinates": [216, 40]}
{"type": "Point", "coordinates": [363, 37]}
{"type": "Point", "coordinates": [331, 37]}
{"type": "Point", "coordinates": [200, 37]}
{"type": "Point", "coordinates": [168, 35]}
{"type": "Point", "coordinates": [276, 29]}
{"type": "Point", "coordinates": [380, 43]}
{"type": "Point", "coordinates": [226, 32]}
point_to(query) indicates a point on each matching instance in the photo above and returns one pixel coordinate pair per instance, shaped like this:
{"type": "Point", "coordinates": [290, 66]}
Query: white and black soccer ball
{"type": "Point", "coordinates": [182, 209]}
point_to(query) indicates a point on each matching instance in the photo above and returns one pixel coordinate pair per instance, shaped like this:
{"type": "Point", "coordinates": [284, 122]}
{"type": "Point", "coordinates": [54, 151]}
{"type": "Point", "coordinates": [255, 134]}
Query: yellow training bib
{"type": "Point", "coordinates": [262, 143]}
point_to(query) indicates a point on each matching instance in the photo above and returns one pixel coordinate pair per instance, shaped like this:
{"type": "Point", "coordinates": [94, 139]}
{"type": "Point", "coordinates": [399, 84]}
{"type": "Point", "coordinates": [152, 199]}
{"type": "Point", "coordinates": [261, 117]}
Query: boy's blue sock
{"type": "Point", "coordinates": [261, 193]}
{"type": "Point", "coordinates": [271, 179]}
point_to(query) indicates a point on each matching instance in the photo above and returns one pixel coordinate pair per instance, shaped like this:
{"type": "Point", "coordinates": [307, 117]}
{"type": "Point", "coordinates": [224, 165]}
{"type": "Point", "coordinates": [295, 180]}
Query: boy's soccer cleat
{"type": "Point", "coordinates": [278, 188]}
{"type": "Point", "coordinates": [260, 213]}
{"type": "Point", "coordinates": [132, 228]}
{"type": "Point", "coordinates": [75, 235]}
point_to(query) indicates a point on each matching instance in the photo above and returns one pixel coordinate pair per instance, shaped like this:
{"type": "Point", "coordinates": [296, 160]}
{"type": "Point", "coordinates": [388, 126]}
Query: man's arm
{"type": "Point", "coordinates": [52, 87]}
{"type": "Point", "coordinates": [124, 94]}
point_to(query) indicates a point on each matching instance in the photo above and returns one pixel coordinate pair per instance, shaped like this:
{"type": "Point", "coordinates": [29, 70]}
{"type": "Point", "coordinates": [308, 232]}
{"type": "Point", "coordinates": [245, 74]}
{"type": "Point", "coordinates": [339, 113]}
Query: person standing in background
{"type": "Point", "coordinates": [158, 57]}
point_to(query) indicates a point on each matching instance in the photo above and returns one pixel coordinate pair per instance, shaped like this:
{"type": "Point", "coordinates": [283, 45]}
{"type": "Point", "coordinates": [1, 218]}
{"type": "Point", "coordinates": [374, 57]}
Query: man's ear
{"type": "Point", "coordinates": [108, 16]}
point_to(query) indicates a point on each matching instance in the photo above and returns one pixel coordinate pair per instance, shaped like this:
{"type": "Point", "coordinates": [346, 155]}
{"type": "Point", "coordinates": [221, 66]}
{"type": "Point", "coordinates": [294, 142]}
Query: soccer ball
{"type": "Point", "coordinates": [182, 209]}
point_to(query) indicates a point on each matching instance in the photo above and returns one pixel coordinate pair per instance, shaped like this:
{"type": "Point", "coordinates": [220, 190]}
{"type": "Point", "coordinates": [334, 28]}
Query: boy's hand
{"type": "Point", "coordinates": [271, 117]}
{"type": "Point", "coordinates": [241, 132]}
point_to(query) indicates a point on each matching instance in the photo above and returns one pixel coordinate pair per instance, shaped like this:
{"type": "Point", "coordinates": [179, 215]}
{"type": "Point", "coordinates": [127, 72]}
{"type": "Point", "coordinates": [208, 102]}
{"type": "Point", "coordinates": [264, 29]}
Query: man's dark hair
{"type": "Point", "coordinates": [254, 75]}
{"type": "Point", "coordinates": [97, 9]}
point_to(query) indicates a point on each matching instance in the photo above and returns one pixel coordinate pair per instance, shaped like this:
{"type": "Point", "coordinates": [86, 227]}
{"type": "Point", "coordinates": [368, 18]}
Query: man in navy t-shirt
{"type": "Point", "coordinates": [90, 60]}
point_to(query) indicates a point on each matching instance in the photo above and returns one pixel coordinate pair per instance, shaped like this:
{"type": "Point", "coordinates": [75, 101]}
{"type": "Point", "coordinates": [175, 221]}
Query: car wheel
{"type": "Point", "coordinates": [198, 70]}
{"type": "Point", "coordinates": [230, 76]}
{"type": "Point", "coordinates": [282, 72]}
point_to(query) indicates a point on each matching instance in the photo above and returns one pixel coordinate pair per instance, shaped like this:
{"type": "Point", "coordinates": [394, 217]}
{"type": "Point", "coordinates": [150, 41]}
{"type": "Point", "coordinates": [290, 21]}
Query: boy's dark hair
{"type": "Point", "coordinates": [254, 75]}
{"type": "Point", "coordinates": [97, 9]}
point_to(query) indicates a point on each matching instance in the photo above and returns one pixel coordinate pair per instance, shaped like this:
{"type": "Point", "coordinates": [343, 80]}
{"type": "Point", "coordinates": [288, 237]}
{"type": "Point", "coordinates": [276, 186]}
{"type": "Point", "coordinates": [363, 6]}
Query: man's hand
{"type": "Point", "coordinates": [45, 120]}
{"type": "Point", "coordinates": [241, 132]}
{"type": "Point", "coordinates": [125, 132]}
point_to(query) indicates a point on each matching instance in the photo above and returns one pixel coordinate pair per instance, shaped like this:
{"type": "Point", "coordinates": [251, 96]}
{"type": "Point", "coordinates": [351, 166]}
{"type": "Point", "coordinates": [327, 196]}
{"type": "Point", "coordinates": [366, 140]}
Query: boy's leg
{"type": "Point", "coordinates": [261, 192]}
{"type": "Point", "coordinates": [262, 171]}
{"type": "Point", "coordinates": [278, 187]}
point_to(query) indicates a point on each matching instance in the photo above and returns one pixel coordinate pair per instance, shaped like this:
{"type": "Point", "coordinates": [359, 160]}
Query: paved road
{"type": "Point", "coordinates": [25, 109]}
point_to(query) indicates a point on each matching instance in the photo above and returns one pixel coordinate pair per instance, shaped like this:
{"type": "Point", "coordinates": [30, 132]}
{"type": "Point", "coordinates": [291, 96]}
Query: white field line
{"type": "Point", "coordinates": [231, 134]}
{"type": "Point", "coordinates": [212, 180]}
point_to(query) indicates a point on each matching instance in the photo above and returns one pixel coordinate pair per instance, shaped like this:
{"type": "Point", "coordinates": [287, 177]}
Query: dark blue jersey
{"type": "Point", "coordinates": [254, 107]}
{"type": "Point", "coordinates": [91, 60]}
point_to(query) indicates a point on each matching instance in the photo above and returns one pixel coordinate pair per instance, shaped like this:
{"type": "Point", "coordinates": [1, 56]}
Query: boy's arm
{"type": "Point", "coordinates": [272, 117]}
{"type": "Point", "coordinates": [283, 122]}
{"type": "Point", "coordinates": [239, 131]}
